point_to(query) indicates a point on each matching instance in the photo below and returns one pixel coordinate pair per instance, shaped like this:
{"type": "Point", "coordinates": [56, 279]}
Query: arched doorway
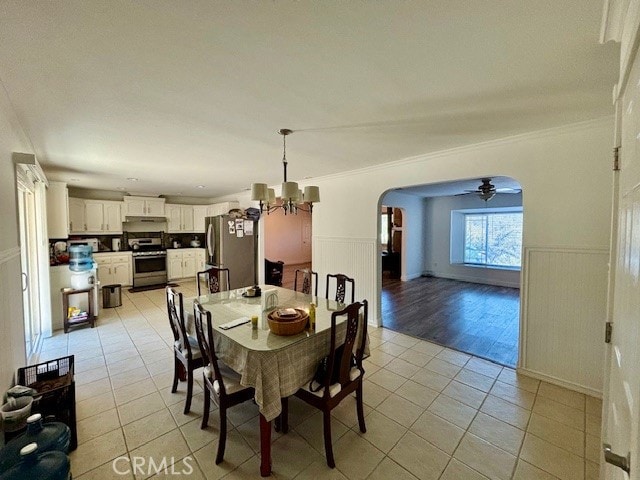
{"type": "Point", "coordinates": [459, 282]}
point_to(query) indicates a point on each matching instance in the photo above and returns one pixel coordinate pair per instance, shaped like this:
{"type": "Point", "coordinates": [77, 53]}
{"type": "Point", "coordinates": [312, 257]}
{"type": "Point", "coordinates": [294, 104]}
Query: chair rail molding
{"type": "Point", "coordinates": [562, 316]}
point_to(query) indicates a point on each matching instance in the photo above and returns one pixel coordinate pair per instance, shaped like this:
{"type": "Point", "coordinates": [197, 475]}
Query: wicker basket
{"type": "Point", "coordinates": [287, 325]}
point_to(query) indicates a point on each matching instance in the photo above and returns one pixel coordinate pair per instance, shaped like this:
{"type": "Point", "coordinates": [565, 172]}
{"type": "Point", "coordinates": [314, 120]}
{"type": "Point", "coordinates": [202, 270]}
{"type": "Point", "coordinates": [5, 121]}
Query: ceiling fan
{"type": "Point", "coordinates": [486, 190]}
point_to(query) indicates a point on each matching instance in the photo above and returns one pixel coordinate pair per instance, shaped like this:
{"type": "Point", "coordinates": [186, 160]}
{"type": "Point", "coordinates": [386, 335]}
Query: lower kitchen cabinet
{"type": "Point", "coordinates": [114, 268]}
{"type": "Point", "coordinates": [184, 262]}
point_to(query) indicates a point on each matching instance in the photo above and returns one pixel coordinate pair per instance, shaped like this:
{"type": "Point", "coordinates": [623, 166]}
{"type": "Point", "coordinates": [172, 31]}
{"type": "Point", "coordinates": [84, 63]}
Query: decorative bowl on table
{"type": "Point", "coordinates": [287, 321]}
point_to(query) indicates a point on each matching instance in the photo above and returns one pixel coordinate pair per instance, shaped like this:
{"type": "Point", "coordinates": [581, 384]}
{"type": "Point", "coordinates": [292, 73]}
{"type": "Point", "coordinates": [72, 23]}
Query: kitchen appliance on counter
{"type": "Point", "coordinates": [231, 243]}
{"type": "Point", "coordinates": [94, 243]}
{"type": "Point", "coordinates": [115, 244]}
{"type": "Point", "coordinates": [149, 261]}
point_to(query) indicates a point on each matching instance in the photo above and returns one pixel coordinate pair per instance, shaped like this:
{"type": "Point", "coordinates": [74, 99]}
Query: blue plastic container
{"type": "Point", "coordinates": [80, 258]}
{"type": "Point", "coordinates": [51, 436]}
{"type": "Point", "coordinates": [41, 466]}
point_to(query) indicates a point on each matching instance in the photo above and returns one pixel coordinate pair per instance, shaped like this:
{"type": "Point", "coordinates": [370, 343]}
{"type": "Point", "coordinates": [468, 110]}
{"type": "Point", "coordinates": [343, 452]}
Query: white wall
{"type": "Point", "coordinates": [12, 347]}
{"type": "Point", "coordinates": [437, 232]}
{"type": "Point", "coordinates": [412, 256]}
{"type": "Point", "coordinates": [565, 174]}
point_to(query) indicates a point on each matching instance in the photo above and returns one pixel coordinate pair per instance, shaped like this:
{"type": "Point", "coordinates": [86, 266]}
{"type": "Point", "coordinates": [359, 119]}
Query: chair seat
{"type": "Point", "coordinates": [230, 378]}
{"type": "Point", "coordinates": [334, 389]}
{"type": "Point", "coordinates": [195, 347]}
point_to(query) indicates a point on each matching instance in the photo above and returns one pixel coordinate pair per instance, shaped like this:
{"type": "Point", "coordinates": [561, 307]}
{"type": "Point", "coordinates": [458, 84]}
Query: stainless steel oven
{"type": "Point", "coordinates": [149, 262]}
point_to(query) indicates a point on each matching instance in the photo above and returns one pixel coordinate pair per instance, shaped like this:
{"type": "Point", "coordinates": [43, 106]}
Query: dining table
{"type": "Point", "coordinates": [276, 366]}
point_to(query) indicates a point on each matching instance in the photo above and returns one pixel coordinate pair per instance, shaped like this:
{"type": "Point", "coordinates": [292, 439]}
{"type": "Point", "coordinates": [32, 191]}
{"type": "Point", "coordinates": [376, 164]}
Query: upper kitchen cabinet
{"type": "Point", "coordinates": [143, 206]}
{"type": "Point", "coordinates": [221, 208]}
{"type": "Point", "coordinates": [199, 214]}
{"type": "Point", "coordinates": [179, 218]}
{"type": "Point", "coordinates": [58, 210]}
{"type": "Point", "coordinates": [95, 216]}
{"type": "Point", "coordinates": [76, 216]}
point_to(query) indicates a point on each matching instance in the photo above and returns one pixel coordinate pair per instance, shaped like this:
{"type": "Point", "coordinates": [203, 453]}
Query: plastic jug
{"type": "Point", "coordinates": [42, 466]}
{"type": "Point", "coordinates": [80, 258]}
{"type": "Point", "coordinates": [49, 436]}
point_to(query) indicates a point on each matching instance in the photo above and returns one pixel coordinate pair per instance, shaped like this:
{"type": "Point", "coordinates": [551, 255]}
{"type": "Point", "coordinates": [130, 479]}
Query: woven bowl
{"type": "Point", "coordinates": [287, 326]}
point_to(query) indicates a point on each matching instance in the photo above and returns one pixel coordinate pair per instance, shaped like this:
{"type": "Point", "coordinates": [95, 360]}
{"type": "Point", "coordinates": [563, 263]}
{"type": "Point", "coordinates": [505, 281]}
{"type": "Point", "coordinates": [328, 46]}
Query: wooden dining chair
{"type": "Point", "coordinates": [186, 351]}
{"type": "Point", "coordinates": [212, 277]}
{"type": "Point", "coordinates": [341, 286]}
{"type": "Point", "coordinates": [350, 378]}
{"type": "Point", "coordinates": [307, 277]}
{"type": "Point", "coordinates": [221, 382]}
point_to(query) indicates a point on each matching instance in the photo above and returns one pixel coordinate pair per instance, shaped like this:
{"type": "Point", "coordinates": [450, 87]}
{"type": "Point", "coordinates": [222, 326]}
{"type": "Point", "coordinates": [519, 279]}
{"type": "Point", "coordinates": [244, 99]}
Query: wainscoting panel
{"type": "Point", "coordinates": [12, 346]}
{"type": "Point", "coordinates": [356, 258]}
{"type": "Point", "coordinates": [563, 316]}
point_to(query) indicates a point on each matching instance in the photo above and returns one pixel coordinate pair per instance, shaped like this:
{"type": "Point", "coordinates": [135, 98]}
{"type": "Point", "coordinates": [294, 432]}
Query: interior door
{"type": "Point", "coordinates": [621, 417]}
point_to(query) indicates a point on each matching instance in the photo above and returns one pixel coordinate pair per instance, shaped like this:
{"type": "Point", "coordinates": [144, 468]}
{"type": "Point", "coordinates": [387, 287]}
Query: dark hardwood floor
{"type": "Point", "coordinates": [482, 320]}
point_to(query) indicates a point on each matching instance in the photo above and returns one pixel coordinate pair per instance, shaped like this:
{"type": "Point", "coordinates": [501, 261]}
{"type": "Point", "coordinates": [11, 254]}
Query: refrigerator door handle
{"type": "Point", "coordinates": [210, 240]}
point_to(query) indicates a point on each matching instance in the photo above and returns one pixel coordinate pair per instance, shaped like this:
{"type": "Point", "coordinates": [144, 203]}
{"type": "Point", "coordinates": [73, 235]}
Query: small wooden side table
{"type": "Point", "coordinates": [91, 318]}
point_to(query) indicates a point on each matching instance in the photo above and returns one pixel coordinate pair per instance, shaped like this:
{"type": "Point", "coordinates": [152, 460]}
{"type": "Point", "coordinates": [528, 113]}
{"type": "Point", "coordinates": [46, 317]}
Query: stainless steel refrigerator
{"type": "Point", "coordinates": [231, 243]}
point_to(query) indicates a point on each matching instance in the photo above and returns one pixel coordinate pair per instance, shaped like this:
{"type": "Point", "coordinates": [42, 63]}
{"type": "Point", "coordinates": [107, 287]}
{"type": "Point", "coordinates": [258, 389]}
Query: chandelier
{"type": "Point", "coordinates": [293, 199]}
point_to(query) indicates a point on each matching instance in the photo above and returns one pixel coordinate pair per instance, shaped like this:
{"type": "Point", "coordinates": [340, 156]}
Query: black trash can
{"type": "Point", "coordinates": [111, 296]}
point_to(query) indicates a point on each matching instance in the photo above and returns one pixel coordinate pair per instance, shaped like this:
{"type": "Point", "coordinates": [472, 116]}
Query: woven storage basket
{"type": "Point", "coordinates": [287, 325]}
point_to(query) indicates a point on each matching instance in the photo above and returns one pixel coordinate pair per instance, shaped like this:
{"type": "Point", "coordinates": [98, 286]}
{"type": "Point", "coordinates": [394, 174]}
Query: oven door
{"type": "Point", "coordinates": [149, 270]}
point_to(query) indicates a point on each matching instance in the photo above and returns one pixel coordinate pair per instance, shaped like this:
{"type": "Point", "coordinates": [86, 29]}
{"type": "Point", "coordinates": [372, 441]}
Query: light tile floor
{"type": "Point", "coordinates": [430, 413]}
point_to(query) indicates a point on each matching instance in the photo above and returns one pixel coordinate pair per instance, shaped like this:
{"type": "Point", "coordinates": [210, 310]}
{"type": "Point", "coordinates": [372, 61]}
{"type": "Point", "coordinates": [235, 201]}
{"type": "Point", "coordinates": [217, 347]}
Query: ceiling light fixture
{"type": "Point", "coordinates": [293, 198]}
{"type": "Point", "coordinates": [199, 186]}
{"type": "Point", "coordinates": [133, 179]}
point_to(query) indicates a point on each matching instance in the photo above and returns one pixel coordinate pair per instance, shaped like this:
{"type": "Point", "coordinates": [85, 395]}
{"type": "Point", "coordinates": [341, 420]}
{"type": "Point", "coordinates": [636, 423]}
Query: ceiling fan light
{"type": "Point", "coordinates": [259, 192]}
{"type": "Point", "coordinates": [311, 194]}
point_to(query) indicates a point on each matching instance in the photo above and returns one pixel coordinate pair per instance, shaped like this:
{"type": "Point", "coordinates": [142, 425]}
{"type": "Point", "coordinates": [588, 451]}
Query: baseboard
{"type": "Point", "coordinates": [562, 383]}
{"type": "Point", "coordinates": [413, 276]}
{"type": "Point", "coordinates": [480, 280]}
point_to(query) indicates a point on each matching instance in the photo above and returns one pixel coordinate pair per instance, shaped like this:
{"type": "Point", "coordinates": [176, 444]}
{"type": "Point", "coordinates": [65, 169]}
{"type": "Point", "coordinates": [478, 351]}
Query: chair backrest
{"type": "Point", "coordinates": [204, 333]}
{"type": "Point", "coordinates": [308, 278]}
{"type": "Point", "coordinates": [356, 329]}
{"type": "Point", "coordinates": [273, 272]}
{"type": "Point", "coordinates": [176, 320]}
{"type": "Point", "coordinates": [212, 277]}
{"type": "Point", "coordinates": [341, 286]}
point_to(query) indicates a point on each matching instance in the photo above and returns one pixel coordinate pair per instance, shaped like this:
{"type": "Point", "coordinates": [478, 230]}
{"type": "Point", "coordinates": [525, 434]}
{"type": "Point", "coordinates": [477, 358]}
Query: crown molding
{"type": "Point", "coordinates": [534, 135]}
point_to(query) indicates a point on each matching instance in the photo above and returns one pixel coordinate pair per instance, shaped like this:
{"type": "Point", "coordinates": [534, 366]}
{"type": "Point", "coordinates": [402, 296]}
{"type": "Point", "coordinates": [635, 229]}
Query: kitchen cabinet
{"type": "Point", "coordinates": [201, 259]}
{"type": "Point", "coordinates": [182, 263]}
{"type": "Point", "coordinates": [114, 268]}
{"type": "Point", "coordinates": [76, 216]}
{"type": "Point", "coordinates": [180, 218]}
{"type": "Point", "coordinates": [222, 208]}
{"type": "Point", "coordinates": [58, 210]}
{"type": "Point", "coordinates": [95, 216]}
{"type": "Point", "coordinates": [143, 206]}
{"type": "Point", "coordinates": [200, 212]}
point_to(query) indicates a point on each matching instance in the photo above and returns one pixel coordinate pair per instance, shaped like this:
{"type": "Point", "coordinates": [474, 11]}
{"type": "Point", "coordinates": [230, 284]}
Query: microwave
{"type": "Point", "coordinates": [92, 242]}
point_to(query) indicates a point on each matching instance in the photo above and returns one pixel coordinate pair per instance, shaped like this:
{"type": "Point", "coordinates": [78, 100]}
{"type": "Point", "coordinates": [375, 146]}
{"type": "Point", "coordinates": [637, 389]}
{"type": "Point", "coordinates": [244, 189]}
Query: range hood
{"type": "Point", "coordinates": [130, 218]}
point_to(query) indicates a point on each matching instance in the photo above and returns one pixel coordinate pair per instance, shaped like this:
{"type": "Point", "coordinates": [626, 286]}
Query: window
{"type": "Point", "coordinates": [493, 239]}
{"type": "Point", "coordinates": [384, 229]}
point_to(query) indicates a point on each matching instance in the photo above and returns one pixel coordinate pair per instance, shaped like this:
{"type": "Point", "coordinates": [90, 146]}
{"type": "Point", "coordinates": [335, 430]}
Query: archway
{"type": "Point", "coordinates": [459, 284]}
